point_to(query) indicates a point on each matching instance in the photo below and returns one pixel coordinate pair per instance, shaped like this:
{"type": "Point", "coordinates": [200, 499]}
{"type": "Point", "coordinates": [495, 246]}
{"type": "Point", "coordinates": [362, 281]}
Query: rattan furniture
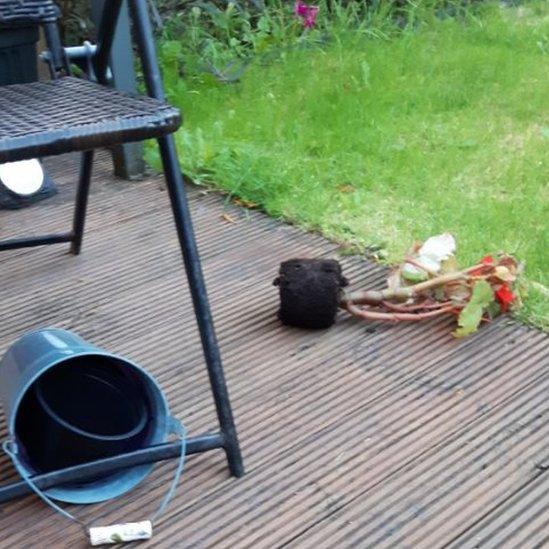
{"type": "Point", "coordinates": [68, 114]}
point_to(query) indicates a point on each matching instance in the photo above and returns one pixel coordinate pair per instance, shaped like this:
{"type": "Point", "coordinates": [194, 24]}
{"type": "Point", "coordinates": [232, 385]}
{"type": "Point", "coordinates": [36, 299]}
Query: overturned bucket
{"type": "Point", "coordinates": [69, 402]}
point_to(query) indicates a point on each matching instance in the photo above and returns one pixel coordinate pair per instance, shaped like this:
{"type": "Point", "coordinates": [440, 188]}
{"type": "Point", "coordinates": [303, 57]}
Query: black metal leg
{"type": "Point", "coordinates": [16, 243]}
{"type": "Point", "coordinates": [191, 258]}
{"type": "Point", "coordinates": [77, 233]}
{"type": "Point", "coordinates": [82, 194]}
{"type": "Point", "coordinates": [87, 471]}
{"type": "Point", "coordinates": [180, 207]}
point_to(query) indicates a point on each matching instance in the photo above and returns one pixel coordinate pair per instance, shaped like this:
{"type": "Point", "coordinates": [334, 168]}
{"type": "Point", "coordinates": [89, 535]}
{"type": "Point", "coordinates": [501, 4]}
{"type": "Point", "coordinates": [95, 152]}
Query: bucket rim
{"type": "Point", "coordinates": [82, 432]}
{"type": "Point", "coordinates": [75, 353]}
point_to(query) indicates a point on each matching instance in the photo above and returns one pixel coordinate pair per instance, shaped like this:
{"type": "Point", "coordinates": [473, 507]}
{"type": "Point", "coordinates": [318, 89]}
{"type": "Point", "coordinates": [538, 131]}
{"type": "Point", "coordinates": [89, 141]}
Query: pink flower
{"type": "Point", "coordinates": [307, 13]}
{"type": "Point", "coordinates": [300, 8]}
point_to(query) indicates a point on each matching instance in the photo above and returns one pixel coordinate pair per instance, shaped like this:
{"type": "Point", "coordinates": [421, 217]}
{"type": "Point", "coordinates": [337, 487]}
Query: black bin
{"type": "Point", "coordinates": [18, 55]}
{"type": "Point", "coordinates": [18, 65]}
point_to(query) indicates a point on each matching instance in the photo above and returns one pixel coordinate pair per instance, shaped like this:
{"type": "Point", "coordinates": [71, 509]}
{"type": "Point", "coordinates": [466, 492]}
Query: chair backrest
{"type": "Point", "coordinates": [27, 12]}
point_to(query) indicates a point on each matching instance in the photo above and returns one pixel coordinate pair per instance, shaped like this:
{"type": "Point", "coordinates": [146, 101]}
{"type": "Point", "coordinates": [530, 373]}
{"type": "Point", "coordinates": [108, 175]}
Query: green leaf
{"type": "Point", "coordinates": [493, 309]}
{"type": "Point", "coordinates": [471, 315]}
{"type": "Point", "coordinates": [264, 24]}
{"type": "Point", "coordinates": [171, 50]}
{"type": "Point", "coordinates": [414, 276]}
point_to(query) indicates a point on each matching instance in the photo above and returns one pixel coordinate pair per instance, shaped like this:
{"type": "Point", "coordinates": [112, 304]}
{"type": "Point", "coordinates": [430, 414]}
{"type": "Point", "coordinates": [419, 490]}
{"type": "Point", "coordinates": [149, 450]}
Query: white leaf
{"type": "Point", "coordinates": [438, 248]}
{"type": "Point", "coordinates": [432, 253]}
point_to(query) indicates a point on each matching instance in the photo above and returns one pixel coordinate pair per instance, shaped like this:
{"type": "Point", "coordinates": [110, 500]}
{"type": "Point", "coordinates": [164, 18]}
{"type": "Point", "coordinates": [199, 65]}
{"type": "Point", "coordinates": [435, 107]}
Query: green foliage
{"type": "Point", "coordinates": [221, 39]}
{"type": "Point", "coordinates": [431, 127]}
{"type": "Point", "coordinates": [76, 25]}
{"type": "Point", "coordinates": [471, 315]}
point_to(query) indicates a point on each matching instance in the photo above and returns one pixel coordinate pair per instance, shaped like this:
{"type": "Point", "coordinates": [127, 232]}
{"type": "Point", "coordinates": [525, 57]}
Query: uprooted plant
{"type": "Point", "coordinates": [427, 284]}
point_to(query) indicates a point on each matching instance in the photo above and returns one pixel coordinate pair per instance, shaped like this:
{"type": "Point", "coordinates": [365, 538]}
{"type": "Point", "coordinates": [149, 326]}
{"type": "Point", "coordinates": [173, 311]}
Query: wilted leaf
{"type": "Point", "coordinates": [438, 248]}
{"type": "Point", "coordinates": [439, 294]}
{"type": "Point", "coordinates": [345, 188]}
{"type": "Point", "coordinates": [393, 280]}
{"type": "Point", "coordinates": [228, 218]}
{"type": "Point", "coordinates": [471, 315]}
{"type": "Point", "coordinates": [245, 203]}
{"type": "Point", "coordinates": [509, 262]}
{"type": "Point", "coordinates": [458, 292]}
{"type": "Point", "coordinates": [504, 274]}
{"type": "Point", "coordinates": [449, 265]}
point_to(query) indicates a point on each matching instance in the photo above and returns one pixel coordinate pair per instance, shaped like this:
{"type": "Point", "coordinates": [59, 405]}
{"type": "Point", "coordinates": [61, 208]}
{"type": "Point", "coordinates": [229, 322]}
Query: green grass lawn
{"type": "Point", "coordinates": [380, 142]}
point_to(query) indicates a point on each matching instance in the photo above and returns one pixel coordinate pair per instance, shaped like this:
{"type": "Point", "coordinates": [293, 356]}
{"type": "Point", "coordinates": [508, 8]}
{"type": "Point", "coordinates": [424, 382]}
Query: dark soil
{"type": "Point", "coordinates": [310, 292]}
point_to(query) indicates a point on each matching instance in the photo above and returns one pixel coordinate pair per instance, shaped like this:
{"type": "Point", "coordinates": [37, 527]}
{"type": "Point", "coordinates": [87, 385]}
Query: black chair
{"type": "Point", "coordinates": [69, 114]}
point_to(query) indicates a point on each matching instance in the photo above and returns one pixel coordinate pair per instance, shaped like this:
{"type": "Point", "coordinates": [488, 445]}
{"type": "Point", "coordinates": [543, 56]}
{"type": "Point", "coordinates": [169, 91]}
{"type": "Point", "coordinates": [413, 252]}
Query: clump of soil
{"type": "Point", "coordinates": [310, 292]}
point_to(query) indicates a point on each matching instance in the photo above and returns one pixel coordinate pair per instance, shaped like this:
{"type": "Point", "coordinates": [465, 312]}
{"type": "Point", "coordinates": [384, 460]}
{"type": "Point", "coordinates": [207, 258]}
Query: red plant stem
{"type": "Point", "coordinates": [368, 314]}
{"type": "Point", "coordinates": [413, 262]}
{"type": "Point", "coordinates": [474, 268]}
{"type": "Point", "coordinates": [410, 308]}
{"type": "Point", "coordinates": [376, 297]}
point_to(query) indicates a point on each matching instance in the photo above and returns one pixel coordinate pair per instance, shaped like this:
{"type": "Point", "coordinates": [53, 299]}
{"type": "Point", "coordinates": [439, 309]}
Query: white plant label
{"type": "Point", "coordinates": [119, 533]}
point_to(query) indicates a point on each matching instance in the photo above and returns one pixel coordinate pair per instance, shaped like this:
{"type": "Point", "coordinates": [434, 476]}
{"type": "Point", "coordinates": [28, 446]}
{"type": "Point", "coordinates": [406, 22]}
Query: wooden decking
{"type": "Point", "coordinates": [365, 435]}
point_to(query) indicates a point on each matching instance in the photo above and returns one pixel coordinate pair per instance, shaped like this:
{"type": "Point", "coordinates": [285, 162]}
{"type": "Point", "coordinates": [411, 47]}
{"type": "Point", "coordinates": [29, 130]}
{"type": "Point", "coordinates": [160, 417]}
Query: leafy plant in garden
{"type": "Point", "coordinates": [76, 25]}
{"type": "Point", "coordinates": [217, 35]}
{"type": "Point", "coordinates": [223, 38]}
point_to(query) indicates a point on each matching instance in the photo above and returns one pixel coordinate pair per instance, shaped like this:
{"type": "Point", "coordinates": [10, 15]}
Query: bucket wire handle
{"type": "Point", "coordinates": [10, 448]}
{"type": "Point", "coordinates": [176, 428]}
